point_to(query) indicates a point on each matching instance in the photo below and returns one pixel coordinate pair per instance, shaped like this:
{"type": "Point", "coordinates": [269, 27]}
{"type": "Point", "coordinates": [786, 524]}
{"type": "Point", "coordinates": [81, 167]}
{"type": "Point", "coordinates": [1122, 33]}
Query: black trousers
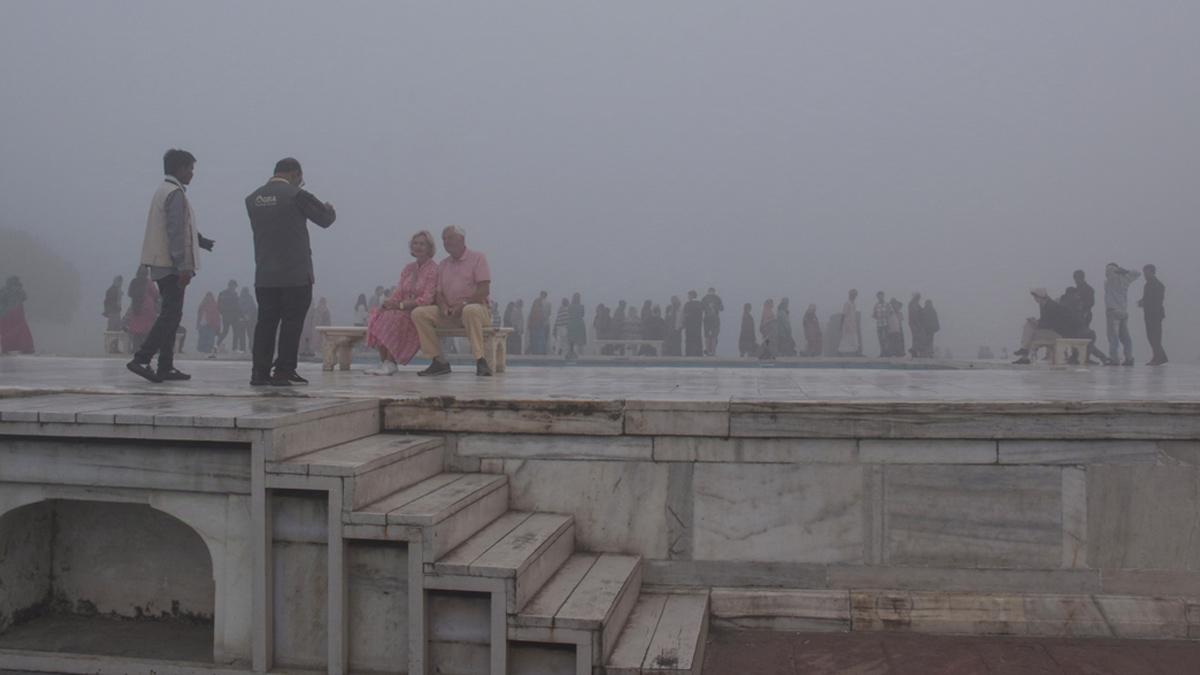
{"type": "Point", "coordinates": [1154, 336]}
{"type": "Point", "coordinates": [161, 338]}
{"type": "Point", "coordinates": [281, 313]}
{"type": "Point", "coordinates": [228, 323]}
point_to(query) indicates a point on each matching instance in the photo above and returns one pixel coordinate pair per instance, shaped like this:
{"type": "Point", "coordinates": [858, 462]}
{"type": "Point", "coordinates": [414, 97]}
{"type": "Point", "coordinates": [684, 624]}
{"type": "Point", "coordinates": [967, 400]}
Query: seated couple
{"type": "Point", "coordinates": [450, 294]}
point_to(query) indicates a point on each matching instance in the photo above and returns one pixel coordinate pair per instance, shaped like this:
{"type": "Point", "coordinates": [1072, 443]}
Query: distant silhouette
{"type": "Point", "coordinates": [1153, 295]}
{"type": "Point", "coordinates": [693, 318]}
{"type": "Point", "coordinates": [747, 340]}
{"type": "Point", "coordinates": [14, 329]}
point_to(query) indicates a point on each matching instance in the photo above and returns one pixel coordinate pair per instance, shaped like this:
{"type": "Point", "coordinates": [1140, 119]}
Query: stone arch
{"type": "Point", "coordinates": [84, 558]}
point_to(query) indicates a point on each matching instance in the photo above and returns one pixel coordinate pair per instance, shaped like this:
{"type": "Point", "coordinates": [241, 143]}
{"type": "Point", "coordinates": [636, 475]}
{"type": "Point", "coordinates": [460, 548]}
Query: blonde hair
{"type": "Point", "coordinates": [428, 241]}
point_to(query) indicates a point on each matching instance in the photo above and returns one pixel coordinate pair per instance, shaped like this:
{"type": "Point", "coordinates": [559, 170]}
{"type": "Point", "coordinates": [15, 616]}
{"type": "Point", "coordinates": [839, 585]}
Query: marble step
{"type": "Point", "coordinates": [448, 508]}
{"type": "Point", "coordinates": [591, 592]}
{"type": "Point", "coordinates": [665, 635]}
{"type": "Point", "coordinates": [523, 549]}
{"type": "Point", "coordinates": [373, 467]}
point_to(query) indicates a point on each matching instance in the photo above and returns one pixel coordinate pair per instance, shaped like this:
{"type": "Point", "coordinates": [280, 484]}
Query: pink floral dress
{"type": "Point", "coordinates": [393, 329]}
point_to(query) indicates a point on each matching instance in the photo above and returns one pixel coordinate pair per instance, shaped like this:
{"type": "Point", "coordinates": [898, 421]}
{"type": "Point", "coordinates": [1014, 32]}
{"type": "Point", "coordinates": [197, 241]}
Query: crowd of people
{"type": "Point", "coordinates": [1070, 316]}
{"type": "Point", "coordinates": [275, 322]}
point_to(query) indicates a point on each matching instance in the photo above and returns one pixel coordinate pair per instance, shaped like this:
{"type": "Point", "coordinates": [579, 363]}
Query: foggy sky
{"type": "Point", "coordinates": [632, 150]}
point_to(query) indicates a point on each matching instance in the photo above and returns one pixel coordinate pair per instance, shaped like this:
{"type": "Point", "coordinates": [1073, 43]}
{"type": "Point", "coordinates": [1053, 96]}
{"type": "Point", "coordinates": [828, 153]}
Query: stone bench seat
{"type": "Point", "coordinates": [338, 342]}
{"type": "Point", "coordinates": [1061, 348]}
{"type": "Point", "coordinates": [633, 345]}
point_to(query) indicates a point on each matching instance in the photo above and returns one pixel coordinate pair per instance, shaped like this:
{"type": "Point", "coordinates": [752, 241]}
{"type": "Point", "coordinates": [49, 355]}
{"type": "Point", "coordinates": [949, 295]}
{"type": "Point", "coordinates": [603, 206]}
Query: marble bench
{"type": "Point", "coordinates": [337, 344]}
{"type": "Point", "coordinates": [116, 342]}
{"type": "Point", "coordinates": [632, 345]}
{"type": "Point", "coordinates": [1061, 348]}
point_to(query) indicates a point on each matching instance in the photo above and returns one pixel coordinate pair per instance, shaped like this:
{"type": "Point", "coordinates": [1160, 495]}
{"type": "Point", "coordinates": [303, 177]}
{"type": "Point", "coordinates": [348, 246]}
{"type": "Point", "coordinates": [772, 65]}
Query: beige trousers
{"type": "Point", "coordinates": [429, 318]}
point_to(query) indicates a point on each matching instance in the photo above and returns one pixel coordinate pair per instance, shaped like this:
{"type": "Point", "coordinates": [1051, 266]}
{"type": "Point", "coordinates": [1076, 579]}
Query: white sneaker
{"type": "Point", "coordinates": [385, 368]}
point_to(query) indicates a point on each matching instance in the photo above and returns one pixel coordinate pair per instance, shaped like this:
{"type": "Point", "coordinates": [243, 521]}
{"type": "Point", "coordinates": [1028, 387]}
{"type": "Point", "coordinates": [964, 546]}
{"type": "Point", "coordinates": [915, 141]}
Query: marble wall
{"type": "Point", "coordinates": [1016, 516]}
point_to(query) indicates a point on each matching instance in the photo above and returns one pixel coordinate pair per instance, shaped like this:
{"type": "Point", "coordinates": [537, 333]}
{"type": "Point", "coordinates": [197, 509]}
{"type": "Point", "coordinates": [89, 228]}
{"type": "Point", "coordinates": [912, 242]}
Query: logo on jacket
{"type": "Point", "coordinates": [265, 200]}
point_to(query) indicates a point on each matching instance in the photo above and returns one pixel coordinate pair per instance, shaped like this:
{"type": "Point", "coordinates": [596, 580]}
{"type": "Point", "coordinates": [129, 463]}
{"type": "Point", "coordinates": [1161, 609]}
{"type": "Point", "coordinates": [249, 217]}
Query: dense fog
{"type": "Point", "coordinates": [626, 150]}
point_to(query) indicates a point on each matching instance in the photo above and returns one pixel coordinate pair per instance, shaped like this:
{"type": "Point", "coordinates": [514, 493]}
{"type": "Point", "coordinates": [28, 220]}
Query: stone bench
{"type": "Point", "coordinates": [116, 342]}
{"type": "Point", "coordinates": [632, 345]}
{"type": "Point", "coordinates": [1061, 348]}
{"type": "Point", "coordinates": [337, 344]}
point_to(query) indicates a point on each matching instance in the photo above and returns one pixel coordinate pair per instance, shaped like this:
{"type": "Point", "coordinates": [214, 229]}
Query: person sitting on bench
{"type": "Point", "coordinates": [1055, 322]}
{"type": "Point", "coordinates": [464, 283]}
{"type": "Point", "coordinates": [390, 328]}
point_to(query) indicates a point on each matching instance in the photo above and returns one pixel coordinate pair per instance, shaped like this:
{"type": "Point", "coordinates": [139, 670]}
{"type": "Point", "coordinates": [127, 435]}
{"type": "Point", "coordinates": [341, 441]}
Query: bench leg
{"type": "Point", "coordinates": [329, 350]}
{"type": "Point", "coordinates": [345, 352]}
{"type": "Point", "coordinates": [501, 355]}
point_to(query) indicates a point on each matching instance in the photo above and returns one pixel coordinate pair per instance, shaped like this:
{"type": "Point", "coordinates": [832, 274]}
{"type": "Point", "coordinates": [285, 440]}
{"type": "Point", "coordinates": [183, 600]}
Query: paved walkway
{"type": "Point", "coordinates": [1180, 383]}
{"type": "Point", "coordinates": [767, 653]}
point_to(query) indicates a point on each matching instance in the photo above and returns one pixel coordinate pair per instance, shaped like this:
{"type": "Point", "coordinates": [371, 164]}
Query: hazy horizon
{"type": "Point", "coordinates": [970, 151]}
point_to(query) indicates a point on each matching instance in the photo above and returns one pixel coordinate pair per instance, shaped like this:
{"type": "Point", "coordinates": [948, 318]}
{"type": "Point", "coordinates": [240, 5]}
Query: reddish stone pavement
{"type": "Point", "coordinates": [769, 653]}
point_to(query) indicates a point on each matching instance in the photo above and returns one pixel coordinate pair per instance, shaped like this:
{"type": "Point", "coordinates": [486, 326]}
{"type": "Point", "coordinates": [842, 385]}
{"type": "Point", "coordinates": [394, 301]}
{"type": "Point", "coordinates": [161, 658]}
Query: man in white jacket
{"type": "Point", "coordinates": [169, 249]}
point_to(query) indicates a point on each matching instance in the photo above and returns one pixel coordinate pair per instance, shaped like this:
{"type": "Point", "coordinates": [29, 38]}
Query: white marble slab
{"type": "Point", "coordinates": [786, 513]}
{"type": "Point", "coordinates": [973, 516]}
{"type": "Point", "coordinates": [619, 506]}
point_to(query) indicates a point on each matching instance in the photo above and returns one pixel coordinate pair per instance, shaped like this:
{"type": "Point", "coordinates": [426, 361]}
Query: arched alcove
{"type": "Point", "coordinates": [107, 578]}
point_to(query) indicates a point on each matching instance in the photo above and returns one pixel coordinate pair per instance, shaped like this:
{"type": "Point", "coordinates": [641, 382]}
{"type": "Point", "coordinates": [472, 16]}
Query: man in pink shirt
{"type": "Point", "coordinates": [464, 283]}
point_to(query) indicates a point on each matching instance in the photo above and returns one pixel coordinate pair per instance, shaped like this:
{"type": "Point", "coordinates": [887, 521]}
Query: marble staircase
{"type": "Point", "coordinates": [559, 610]}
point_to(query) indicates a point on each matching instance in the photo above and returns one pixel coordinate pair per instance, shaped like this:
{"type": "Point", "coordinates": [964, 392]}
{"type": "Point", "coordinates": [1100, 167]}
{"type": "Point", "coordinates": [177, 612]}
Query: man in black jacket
{"type": "Point", "coordinates": [283, 269]}
{"type": "Point", "coordinates": [1153, 294]}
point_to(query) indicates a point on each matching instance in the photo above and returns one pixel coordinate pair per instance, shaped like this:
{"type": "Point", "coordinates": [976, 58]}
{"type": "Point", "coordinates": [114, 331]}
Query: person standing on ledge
{"type": "Point", "coordinates": [693, 321]}
{"type": "Point", "coordinates": [1116, 313]}
{"type": "Point", "coordinates": [464, 284]}
{"type": "Point", "coordinates": [169, 250]}
{"type": "Point", "coordinates": [283, 270]}
{"type": "Point", "coordinates": [1153, 294]}
{"type": "Point", "coordinates": [712, 321]}
{"type": "Point", "coordinates": [112, 304]}
{"type": "Point", "coordinates": [880, 313]}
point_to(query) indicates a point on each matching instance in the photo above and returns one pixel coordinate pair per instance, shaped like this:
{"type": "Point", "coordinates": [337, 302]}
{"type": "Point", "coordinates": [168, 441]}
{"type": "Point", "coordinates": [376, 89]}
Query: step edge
{"type": "Point", "coordinates": [515, 572]}
{"type": "Point", "coordinates": [432, 519]}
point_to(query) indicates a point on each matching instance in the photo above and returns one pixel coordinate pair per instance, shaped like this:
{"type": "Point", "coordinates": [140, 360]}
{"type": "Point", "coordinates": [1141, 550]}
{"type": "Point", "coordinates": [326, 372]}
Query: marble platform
{"type": "Point", "coordinates": [1017, 501]}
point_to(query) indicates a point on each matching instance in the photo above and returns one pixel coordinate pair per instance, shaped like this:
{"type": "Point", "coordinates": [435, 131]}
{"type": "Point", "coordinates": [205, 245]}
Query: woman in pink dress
{"type": "Point", "coordinates": [390, 327]}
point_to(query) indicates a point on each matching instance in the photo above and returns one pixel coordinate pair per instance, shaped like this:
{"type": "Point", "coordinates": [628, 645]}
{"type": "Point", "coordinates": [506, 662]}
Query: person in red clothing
{"type": "Point", "coordinates": [14, 330]}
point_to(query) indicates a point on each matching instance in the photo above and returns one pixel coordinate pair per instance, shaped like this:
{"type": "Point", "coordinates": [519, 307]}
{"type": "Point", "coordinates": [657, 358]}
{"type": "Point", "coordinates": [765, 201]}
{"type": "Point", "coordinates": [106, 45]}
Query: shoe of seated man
{"type": "Point", "coordinates": [173, 375]}
{"type": "Point", "coordinates": [385, 369]}
{"type": "Point", "coordinates": [1023, 361]}
{"type": "Point", "coordinates": [482, 369]}
{"type": "Point", "coordinates": [437, 367]}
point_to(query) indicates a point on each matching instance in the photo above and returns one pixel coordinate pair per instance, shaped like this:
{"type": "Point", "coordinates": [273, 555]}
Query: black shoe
{"type": "Point", "coordinates": [144, 371]}
{"type": "Point", "coordinates": [1023, 361]}
{"type": "Point", "coordinates": [1021, 352]}
{"type": "Point", "coordinates": [173, 375]}
{"type": "Point", "coordinates": [438, 367]}
{"type": "Point", "coordinates": [482, 369]}
{"type": "Point", "coordinates": [292, 377]}
{"type": "Point", "coordinates": [1127, 362]}
{"type": "Point", "coordinates": [259, 380]}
